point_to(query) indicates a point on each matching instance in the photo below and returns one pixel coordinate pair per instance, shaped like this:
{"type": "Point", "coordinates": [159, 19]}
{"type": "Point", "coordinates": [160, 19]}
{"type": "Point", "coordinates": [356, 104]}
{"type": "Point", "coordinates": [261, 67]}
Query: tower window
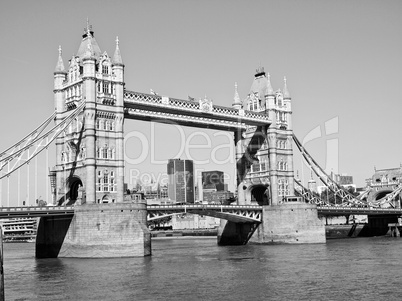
{"type": "Point", "coordinates": [105, 153]}
{"type": "Point", "coordinates": [105, 88]}
{"type": "Point", "coordinates": [105, 69]}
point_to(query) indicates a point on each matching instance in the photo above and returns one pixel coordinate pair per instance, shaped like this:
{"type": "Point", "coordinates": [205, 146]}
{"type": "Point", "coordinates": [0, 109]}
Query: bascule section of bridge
{"type": "Point", "coordinates": [233, 213]}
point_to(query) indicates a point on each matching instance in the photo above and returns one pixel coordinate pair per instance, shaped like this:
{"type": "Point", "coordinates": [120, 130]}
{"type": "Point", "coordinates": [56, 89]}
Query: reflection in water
{"type": "Point", "coordinates": [197, 269]}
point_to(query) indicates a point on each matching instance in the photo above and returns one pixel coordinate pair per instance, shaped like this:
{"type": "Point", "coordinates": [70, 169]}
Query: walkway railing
{"type": "Point", "coordinates": [240, 212]}
{"type": "Point", "coordinates": [35, 211]}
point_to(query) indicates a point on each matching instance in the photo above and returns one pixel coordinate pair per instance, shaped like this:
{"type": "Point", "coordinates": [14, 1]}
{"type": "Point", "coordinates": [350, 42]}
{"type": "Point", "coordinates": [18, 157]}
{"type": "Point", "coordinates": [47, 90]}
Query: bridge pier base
{"type": "Point", "coordinates": [233, 234]}
{"type": "Point", "coordinates": [96, 230]}
{"type": "Point", "coordinates": [378, 225]}
{"type": "Point", "coordinates": [291, 223]}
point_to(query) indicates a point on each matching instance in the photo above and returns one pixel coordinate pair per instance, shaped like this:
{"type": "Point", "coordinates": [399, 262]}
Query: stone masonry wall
{"type": "Point", "coordinates": [290, 223]}
{"type": "Point", "coordinates": [108, 230]}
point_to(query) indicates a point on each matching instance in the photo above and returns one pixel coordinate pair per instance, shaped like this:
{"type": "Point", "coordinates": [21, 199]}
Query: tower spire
{"type": "Point", "coordinates": [237, 103]}
{"type": "Point", "coordinates": [286, 93]}
{"type": "Point", "coordinates": [60, 64]}
{"type": "Point", "coordinates": [89, 53]}
{"type": "Point", "coordinates": [117, 60]}
{"type": "Point", "coordinates": [88, 30]}
{"type": "Point", "coordinates": [270, 90]}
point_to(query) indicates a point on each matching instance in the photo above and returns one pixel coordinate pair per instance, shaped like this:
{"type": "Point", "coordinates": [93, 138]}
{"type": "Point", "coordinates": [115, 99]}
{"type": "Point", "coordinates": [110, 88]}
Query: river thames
{"type": "Point", "coordinates": [197, 269]}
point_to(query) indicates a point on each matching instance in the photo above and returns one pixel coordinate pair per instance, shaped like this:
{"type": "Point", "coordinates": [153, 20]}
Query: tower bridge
{"type": "Point", "coordinates": [91, 107]}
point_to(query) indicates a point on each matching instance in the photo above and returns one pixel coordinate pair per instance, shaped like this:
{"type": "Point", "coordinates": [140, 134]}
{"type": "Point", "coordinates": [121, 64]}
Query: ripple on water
{"type": "Point", "coordinates": [197, 269]}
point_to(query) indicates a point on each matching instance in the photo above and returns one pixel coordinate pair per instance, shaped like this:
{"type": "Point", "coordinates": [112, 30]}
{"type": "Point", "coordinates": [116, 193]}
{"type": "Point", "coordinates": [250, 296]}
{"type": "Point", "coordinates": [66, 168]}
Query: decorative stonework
{"type": "Point", "coordinates": [206, 105]}
{"type": "Point", "coordinates": [165, 100]}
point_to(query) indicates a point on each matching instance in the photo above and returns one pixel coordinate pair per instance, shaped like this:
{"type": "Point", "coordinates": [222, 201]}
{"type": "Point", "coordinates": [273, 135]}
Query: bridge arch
{"type": "Point", "coordinates": [380, 194]}
{"type": "Point", "coordinates": [107, 199]}
{"type": "Point", "coordinates": [258, 193]}
{"type": "Point", "coordinates": [73, 184]}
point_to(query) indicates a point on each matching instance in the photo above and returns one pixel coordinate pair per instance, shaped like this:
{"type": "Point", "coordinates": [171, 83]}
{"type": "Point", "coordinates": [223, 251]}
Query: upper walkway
{"type": "Point", "coordinates": [201, 113]}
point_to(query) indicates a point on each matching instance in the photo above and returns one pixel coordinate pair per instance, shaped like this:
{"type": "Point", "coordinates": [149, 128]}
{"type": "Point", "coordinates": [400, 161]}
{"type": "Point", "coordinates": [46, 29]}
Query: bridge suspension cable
{"type": "Point", "coordinates": [19, 154]}
{"type": "Point", "coordinates": [27, 139]}
{"type": "Point", "coordinates": [338, 190]}
{"type": "Point", "coordinates": [307, 194]}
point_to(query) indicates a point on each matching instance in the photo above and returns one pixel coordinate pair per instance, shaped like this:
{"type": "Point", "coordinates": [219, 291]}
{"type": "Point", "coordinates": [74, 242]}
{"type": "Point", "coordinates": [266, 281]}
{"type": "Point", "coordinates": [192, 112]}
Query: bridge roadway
{"type": "Point", "coordinates": [235, 213]}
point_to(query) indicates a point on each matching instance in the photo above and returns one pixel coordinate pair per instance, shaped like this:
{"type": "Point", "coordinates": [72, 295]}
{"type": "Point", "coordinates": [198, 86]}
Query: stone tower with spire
{"type": "Point", "coordinates": [267, 176]}
{"type": "Point", "coordinates": [90, 154]}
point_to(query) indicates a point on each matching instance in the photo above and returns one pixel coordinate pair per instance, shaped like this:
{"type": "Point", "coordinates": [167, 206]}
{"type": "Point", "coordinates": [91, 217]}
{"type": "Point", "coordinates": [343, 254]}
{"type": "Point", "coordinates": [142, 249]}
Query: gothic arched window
{"type": "Point", "coordinates": [105, 153]}
{"type": "Point", "coordinates": [105, 68]}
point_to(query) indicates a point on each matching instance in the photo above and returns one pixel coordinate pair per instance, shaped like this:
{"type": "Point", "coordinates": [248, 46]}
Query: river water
{"type": "Point", "coordinates": [197, 269]}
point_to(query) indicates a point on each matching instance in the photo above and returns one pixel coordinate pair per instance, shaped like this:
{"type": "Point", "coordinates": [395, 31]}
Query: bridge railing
{"type": "Point", "coordinates": [195, 106]}
{"type": "Point", "coordinates": [203, 206]}
{"type": "Point", "coordinates": [35, 211]}
{"type": "Point", "coordinates": [37, 208]}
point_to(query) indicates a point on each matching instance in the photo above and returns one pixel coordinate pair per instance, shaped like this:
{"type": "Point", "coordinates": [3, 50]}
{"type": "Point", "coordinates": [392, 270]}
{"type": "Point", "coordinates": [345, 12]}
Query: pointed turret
{"type": "Point", "coordinates": [117, 60]}
{"type": "Point", "coordinates": [286, 94]}
{"type": "Point", "coordinates": [60, 64]}
{"type": "Point", "coordinates": [237, 102]}
{"type": "Point", "coordinates": [88, 38]}
{"type": "Point", "coordinates": [89, 52]}
{"type": "Point", "coordinates": [59, 77]}
{"type": "Point", "coordinates": [270, 94]}
{"type": "Point", "coordinates": [270, 90]}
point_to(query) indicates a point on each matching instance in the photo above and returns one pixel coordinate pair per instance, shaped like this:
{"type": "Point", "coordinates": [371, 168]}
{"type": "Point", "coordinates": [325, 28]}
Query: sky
{"type": "Point", "coordinates": [342, 61]}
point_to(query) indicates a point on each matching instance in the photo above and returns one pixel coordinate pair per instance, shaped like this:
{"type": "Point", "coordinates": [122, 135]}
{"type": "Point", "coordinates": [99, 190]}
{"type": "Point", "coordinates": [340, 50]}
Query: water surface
{"type": "Point", "coordinates": [197, 269]}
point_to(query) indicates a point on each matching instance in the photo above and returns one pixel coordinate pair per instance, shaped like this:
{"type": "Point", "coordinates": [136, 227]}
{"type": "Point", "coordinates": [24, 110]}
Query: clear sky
{"type": "Point", "coordinates": [342, 60]}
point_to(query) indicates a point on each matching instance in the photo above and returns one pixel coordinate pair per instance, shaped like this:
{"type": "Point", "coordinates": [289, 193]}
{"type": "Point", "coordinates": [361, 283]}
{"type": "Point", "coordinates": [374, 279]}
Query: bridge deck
{"type": "Point", "coordinates": [35, 211]}
{"type": "Point", "coordinates": [334, 210]}
{"type": "Point", "coordinates": [238, 213]}
{"type": "Point", "coordinates": [234, 213]}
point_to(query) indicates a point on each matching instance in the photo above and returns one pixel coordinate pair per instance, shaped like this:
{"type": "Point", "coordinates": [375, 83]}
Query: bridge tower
{"type": "Point", "coordinates": [265, 175]}
{"type": "Point", "coordinates": [90, 153]}
{"type": "Point", "coordinates": [89, 167]}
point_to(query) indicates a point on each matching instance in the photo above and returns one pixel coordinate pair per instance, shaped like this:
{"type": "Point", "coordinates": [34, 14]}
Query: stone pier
{"type": "Point", "coordinates": [292, 223]}
{"type": "Point", "coordinates": [96, 230]}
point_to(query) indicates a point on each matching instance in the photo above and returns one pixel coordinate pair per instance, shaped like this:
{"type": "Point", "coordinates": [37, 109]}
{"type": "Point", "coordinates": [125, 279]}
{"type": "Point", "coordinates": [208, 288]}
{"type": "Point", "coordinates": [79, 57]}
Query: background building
{"type": "Point", "coordinates": [214, 189]}
{"type": "Point", "coordinates": [181, 180]}
{"type": "Point", "coordinates": [213, 180]}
